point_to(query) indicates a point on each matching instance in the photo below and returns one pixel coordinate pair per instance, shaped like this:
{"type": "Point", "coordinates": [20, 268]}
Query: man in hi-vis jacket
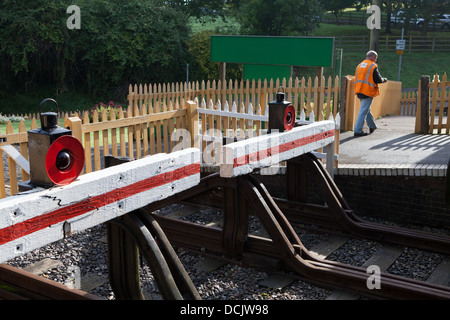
{"type": "Point", "coordinates": [367, 78]}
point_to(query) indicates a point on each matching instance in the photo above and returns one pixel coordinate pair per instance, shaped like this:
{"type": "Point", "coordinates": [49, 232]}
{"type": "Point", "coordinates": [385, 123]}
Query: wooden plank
{"type": "Point", "coordinates": [2, 178]}
{"type": "Point", "coordinates": [137, 131]}
{"type": "Point", "coordinates": [131, 121]}
{"type": "Point", "coordinates": [17, 157]}
{"type": "Point", "coordinates": [244, 156]}
{"type": "Point", "coordinates": [239, 115]}
{"type": "Point", "coordinates": [441, 275]}
{"type": "Point", "coordinates": [151, 129]}
{"type": "Point", "coordinates": [43, 266]}
{"type": "Point", "coordinates": [145, 150]}
{"type": "Point", "coordinates": [324, 248]}
{"type": "Point", "coordinates": [209, 264]}
{"type": "Point", "coordinates": [24, 152]}
{"type": "Point", "coordinates": [97, 164]}
{"type": "Point", "coordinates": [87, 146]}
{"type": "Point", "coordinates": [114, 149]}
{"type": "Point", "coordinates": [130, 133]}
{"type": "Point", "coordinates": [442, 88]}
{"type": "Point", "coordinates": [383, 258]}
{"type": "Point", "coordinates": [158, 140]}
{"type": "Point", "coordinates": [122, 139]}
{"type": "Point", "coordinates": [105, 133]}
{"type": "Point", "coordinates": [11, 163]}
{"type": "Point", "coordinates": [276, 281]}
{"type": "Point", "coordinates": [433, 88]}
{"type": "Point", "coordinates": [32, 220]}
{"type": "Point", "coordinates": [91, 281]}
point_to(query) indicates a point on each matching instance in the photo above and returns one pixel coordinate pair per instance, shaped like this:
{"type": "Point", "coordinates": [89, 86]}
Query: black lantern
{"type": "Point", "coordinates": [55, 156]}
{"type": "Point", "coordinates": [281, 113]}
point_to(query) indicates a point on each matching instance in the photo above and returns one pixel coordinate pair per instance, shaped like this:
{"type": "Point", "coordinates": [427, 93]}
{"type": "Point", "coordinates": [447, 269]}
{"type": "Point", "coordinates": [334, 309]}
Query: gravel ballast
{"type": "Point", "coordinates": [86, 252]}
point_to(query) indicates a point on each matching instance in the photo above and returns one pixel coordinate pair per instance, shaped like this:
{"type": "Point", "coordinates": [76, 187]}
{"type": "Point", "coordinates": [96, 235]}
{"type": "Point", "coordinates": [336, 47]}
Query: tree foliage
{"type": "Point", "coordinates": [277, 17]}
{"type": "Point", "coordinates": [200, 9]}
{"type": "Point", "coordinates": [201, 66]}
{"type": "Point", "coordinates": [409, 10]}
{"type": "Point", "coordinates": [336, 6]}
{"type": "Point", "coordinates": [120, 42]}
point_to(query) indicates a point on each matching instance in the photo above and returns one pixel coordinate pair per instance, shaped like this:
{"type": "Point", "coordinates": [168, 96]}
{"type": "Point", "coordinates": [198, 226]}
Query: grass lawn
{"type": "Point", "coordinates": [413, 65]}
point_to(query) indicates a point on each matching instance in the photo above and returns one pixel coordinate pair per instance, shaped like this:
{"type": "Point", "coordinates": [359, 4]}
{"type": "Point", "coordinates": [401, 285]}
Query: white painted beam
{"type": "Point", "coordinates": [243, 157]}
{"type": "Point", "coordinates": [17, 157]}
{"type": "Point", "coordinates": [34, 219]}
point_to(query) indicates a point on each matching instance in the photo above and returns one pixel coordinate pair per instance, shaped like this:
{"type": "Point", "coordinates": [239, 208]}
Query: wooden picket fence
{"type": "Point", "coordinates": [320, 95]}
{"type": "Point", "coordinates": [408, 103]}
{"type": "Point", "coordinates": [124, 135]}
{"type": "Point", "coordinates": [225, 124]}
{"type": "Point", "coordinates": [10, 172]}
{"type": "Point", "coordinates": [236, 110]}
{"type": "Point", "coordinates": [439, 101]}
{"type": "Point", "coordinates": [165, 121]}
{"type": "Point", "coordinates": [135, 137]}
{"type": "Point", "coordinates": [432, 105]}
{"type": "Point", "coordinates": [130, 136]}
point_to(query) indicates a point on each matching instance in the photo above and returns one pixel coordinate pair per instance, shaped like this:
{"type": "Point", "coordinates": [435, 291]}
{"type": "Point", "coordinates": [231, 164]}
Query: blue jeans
{"type": "Point", "coordinates": [364, 115]}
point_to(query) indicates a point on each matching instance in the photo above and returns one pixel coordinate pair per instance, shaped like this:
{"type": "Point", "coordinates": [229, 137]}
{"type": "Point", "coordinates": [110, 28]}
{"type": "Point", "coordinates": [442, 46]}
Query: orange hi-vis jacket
{"type": "Point", "coordinates": [364, 79]}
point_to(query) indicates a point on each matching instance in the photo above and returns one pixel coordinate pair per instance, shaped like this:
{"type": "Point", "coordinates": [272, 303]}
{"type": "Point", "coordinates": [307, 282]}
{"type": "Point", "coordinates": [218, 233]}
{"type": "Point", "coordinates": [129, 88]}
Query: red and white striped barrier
{"type": "Point", "coordinates": [32, 220]}
{"type": "Point", "coordinates": [244, 156]}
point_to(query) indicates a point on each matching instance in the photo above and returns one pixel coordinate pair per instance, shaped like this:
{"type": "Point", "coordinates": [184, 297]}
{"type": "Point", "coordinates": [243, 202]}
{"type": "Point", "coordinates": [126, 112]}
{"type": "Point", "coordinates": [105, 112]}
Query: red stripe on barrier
{"type": "Point", "coordinates": [45, 220]}
{"type": "Point", "coordinates": [263, 154]}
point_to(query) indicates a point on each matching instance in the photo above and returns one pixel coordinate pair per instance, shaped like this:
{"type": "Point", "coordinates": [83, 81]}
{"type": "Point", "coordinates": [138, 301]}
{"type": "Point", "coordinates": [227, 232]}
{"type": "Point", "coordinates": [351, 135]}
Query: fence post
{"type": "Point", "coordinates": [424, 105]}
{"type": "Point", "coordinates": [74, 124]}
{"type": "Point", "coordinates": [192, 119]}
{"type": "Point", "coordinates": [343, 102]}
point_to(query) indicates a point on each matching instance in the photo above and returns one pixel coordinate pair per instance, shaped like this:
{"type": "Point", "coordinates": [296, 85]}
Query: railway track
{"type": "Point", "coordinates": [254, 229]}
{"type": "Point", "coordinates": [330, 246]}
{"type": "Point", "coordinates": [272, 284]}
{"type": "Point", "coordinates": [283, 249]}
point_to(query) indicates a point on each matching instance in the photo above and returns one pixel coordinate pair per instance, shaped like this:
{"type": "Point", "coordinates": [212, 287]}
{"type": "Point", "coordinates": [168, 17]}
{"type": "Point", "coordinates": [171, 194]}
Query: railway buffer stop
{"type": "Point", "coordinates": [125, 195]}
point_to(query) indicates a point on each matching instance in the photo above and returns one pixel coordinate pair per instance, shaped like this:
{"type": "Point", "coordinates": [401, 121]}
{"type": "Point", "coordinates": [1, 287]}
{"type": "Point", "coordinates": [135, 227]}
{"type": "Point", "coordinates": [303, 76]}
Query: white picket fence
{"type": "Point", "coordinates": [221, 125]}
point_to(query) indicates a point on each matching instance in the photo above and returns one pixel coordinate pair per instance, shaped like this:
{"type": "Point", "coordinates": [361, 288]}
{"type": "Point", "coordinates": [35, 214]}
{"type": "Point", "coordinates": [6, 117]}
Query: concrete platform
{"type": "Point", "coordinates": [394, 143]}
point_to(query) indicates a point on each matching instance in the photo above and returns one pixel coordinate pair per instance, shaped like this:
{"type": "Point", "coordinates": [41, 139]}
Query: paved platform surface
{"type": "Point", "coordinates": [394, 142]}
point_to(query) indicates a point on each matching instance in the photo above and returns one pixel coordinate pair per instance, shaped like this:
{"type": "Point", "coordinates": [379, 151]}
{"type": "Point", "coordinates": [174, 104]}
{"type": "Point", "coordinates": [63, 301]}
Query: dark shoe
{"type": "Point", "coordinates": [360, 134]}
{"type": "Point", "coordinates": [372, 130]}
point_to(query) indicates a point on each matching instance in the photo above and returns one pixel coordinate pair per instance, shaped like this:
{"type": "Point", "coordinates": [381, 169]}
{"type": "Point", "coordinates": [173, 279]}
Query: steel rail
{"type": "Point", "coordinates": [162, 270]}
{"type": "Point", "coordinates": [137, 230]}
{"type": "Point", "coordinates": [284, 249]}
{"type": "Point", "coordinates": [278, 253]}
{"type": "Point", "coordinates": [179, 273]}
{"type": "Point", "coordinates": [300, 260]}
{"type": "Point", "coordinates": [340, 214]}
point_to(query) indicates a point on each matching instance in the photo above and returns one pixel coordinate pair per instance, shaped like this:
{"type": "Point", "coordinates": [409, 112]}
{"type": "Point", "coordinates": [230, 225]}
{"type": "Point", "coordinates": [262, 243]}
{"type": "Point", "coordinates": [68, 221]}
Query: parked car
{"type": "Point", "coordinates": [399, 18]}
{"type": "Point", "coordinates": [441, 21]}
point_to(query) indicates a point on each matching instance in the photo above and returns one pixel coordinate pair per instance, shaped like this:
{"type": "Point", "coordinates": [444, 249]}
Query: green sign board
{"type": "Point", "coordinates": [287, 51]}
{"type": "Point", "coordinates": [266, 71]}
